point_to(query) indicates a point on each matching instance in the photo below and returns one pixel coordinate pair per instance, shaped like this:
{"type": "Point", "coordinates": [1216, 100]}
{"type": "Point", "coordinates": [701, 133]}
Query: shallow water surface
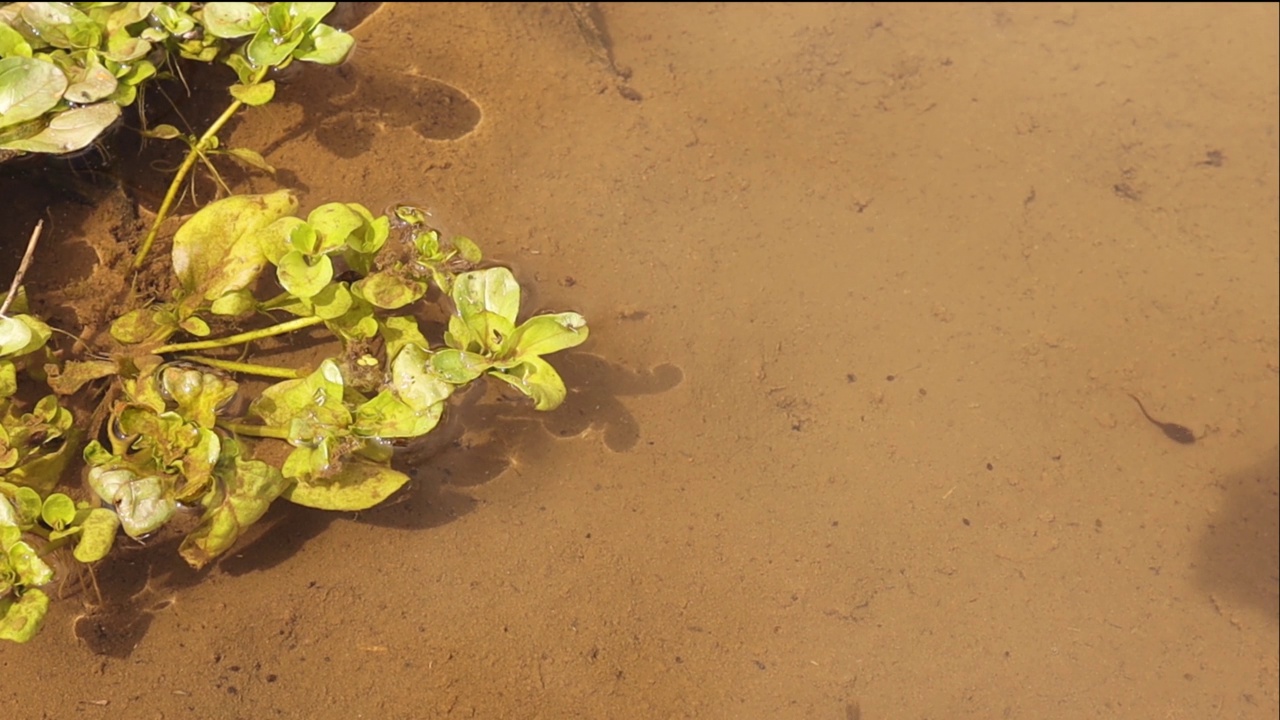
{"type": "Point", "coordinates": [869, 288]}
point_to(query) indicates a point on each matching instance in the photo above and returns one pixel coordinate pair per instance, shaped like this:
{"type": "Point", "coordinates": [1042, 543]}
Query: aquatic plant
{"type": "Point", "coordinates": [178, 412]}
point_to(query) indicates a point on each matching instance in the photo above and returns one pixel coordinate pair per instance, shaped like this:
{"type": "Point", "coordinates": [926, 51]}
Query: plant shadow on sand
{"type": "Point", "coordinates": [481, 437]}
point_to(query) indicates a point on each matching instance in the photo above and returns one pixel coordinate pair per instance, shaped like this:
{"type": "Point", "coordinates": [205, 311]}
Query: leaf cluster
{"type": "Point", "coordinates": [66, 69]}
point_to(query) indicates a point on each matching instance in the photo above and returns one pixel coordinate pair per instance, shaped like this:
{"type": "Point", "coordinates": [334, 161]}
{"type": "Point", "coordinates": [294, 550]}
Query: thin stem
{"type": "Point", "coordinates": [261, 431]}
{"type": "Point", "coordinates": [22, 268]}
{"type": "Point", "coordinates": [245, 368]}
{"type": "Point", "coordinates": [244, 337]}
{"type": "Point", "coordinates": [196, 152]}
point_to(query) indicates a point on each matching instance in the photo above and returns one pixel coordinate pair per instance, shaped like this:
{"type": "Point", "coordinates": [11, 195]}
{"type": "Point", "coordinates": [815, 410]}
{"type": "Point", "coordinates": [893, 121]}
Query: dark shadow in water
{"type": "Point", "coordinates": [488, 431]}
{"type": "Point", "coordinates": [136, 583]}
{"type": "Point", "coordinates": [346, 109]}
{"type": "Point", "coordinates": [1241, 552]}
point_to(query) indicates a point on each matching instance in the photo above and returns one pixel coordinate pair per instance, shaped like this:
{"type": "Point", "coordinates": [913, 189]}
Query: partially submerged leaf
{"type": "Point", "coordinates": [390, 291]}
{"type": "Point", "coordinates": [302, 276]}
{"type": "Point", "coordinates": [493, 290]}
{"type": "Point", "coordinates": [58, 511]}
{"type": "Point", "coordinates": [398, 331]}
{"type": "Point", "coordinates": [326, 46]}
{"type": "Point", "coordinates": [26, 563]}
{"type": "Point", "coordinates": [415, 384]}
{"type": "Point", "coordinates": [536, 378]}
{"type": "Point", "coordinates": [255, 94]}
{"type": "Point", "coordinates": [231, 19]}
{"type": "Point", "coordinates": [139, 501]}
{"type": "Point", "coordinates": [199, 392]}
{"type": "Point", "coordinates": [314, 401]}
{"type": "Point", "coordinates": [97, 535]}
{"type": "Point", "coordinates": [388, 416]}
{"type": "Point", "coordinates": [216, 251]}
{"type": "Point", "coordinates": [458, 366]}
{"type": "Point", "coordinates": [545, 334]}
{"type": "Point", "coordinates": [28, 89]}
{"type": "Point", "coordinates": [74, 374]}
{"type": "Point", "coordinates": [248, 487]}
{"type": "Point", "coordinates": [357, 486]}
{"type": "Point", "coordinates": [21, 618]}
{"type": "Point", "coordinates": [149, 324]}
{"type": "Point", "coordinates": [70, 130]}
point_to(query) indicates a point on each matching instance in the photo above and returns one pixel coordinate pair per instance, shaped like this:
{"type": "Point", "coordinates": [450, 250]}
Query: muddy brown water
{"type": "Point", "coordinates": [869, 288]}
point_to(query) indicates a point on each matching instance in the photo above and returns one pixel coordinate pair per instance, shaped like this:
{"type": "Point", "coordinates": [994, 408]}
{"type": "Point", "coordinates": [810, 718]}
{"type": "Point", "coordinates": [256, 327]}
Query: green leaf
{"type": "Point", "coordinates": [218, 251]}
{"type": "Point", "coordinates": [42, 472]}
{"type": "Point", "coordinates": [234, 304]}
{"type": "Point", "coordinates": [70, 130]}
{"type": "Point", "coordinates": [74, 374]}
{"type": "Point", "coordinates": [398, 331]}
{"type": "Point", "coordinates": [195, 326]}
{"type": "Point", "coordinates": [326, 46]}
{"type": "Point", "coordinates": [124, 48]}
{"type": "Point", "coordinates": [389, 291]}
{"type": "Point", "coordinates": [247, 491]}
{"type": "Point", "coordinates": [357, 486]}
{"type": "Point", "coordinates": [14, 336]}
{"type": "Point", "coordinates": [197, 465]}
{"type": "Point", "coordinates": [198, 392]}
{"type": "Point", "coordinates": [306, 462]}
{"type": "Point", "coordinates": [8, 514]}
{"type": "Point", "coordinates": [545, 334]}
{"type": "Point", "coordinates": [21, 619]}
{"type": "Point", "coordinates": [28, 504]}
{"type": "Point", "coordinates": [153, 324]}
{"type": "Point", "coordinates": [231, 19]}
{"type": "Point", "coordinates": [458, 366]}
{"type": "Point", "coordinates": [332, 302]}
{"type": "Point", "coordinates": [536, 378]}
{"type": "Point", "coordinates": [334, 223]}
{"type": "Point", "coordinates": [58, 511]}
{"type": "Point", "coordinates": [302, 276]}
{"type": "Point", "coordinates": [490, 330]}
{"type": "Point", "coordinates": [97, 535]}
{"type": "Point", "coordinates": [272, 46]}
{"type": "Point", "coordinates": [61, 25]}
{"type": "Point", "coordinates": [372, 235]}
{"type": "Point", "coordinates": [245, 70]}
{"type": "Point", "coordinates": [8, 379]}
{"type": "Point", "coordinates": [139, 501]}
{"type": "Point", "coordinates": [468, 249]}
{"type": "Point", "coordinates": [493, 290]}
{"type": "Point", "coordinates": [174, 21]}
{"type": "Point", "coordinates": [25, 561]}
{"type": "Point", "coordinates": [415, 384]}
{"type": "Point", "coordinates": [162, 132]}
{"type": "Point", "coordinates": [12, 44]}
{"type": "Point", "coordinates": [318, 398]}
{"type": "Point", "coordinates": [94, 83]}
{"type": "Point", "coordinates": [306, 14]}
{"type": "Point", "coordinates": [251, 158]}
{"type": "Point", "coordinates": [387, 416]}
{"type": "Point", "coordinates": [256, 94]}
{"type": "Point", "coordinates": [357, 323]}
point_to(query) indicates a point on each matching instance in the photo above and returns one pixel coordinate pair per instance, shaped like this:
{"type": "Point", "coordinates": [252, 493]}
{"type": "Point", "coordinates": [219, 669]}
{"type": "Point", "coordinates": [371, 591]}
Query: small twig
{"type": "Point", "coordinates": [22, 268]}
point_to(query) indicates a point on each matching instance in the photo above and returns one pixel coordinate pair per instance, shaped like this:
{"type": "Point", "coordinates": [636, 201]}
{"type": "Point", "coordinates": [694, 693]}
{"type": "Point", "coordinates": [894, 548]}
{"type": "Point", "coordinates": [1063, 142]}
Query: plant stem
{"type": "Point", "coordinates": [245, 368]}
{"type": "Point", "coordinates": [261, 431]}
{"type": "Point", "coordinates": [202, 146]}
{"type": "Point", "coordinates": [22, 268]}
{"type": "Point", "coordinates": [244, 337]}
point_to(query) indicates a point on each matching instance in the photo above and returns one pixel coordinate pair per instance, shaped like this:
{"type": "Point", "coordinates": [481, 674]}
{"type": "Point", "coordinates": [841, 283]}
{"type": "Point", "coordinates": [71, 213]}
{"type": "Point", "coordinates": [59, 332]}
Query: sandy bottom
{"type": "Point", "coordinates": [852, 439]}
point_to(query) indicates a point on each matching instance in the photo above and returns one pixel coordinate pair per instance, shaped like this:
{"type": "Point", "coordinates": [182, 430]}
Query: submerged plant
{"type": "Point", "coordinates": [171, 428]}
{"type": "Point", "coordinates": [175, 436]}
